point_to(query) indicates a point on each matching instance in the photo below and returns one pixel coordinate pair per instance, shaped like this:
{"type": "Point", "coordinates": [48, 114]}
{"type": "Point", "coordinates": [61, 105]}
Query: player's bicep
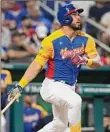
{"type": "Point", "coordinates": [45, 53]}
{"type": "Point", "coordinates": [90, 49]}
{"type": "Point", "coordinates": [42, 57]}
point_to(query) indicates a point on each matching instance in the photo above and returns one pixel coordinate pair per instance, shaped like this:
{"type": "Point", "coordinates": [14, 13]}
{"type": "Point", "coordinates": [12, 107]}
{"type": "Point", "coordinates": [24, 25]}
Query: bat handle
{"type": "Point", "coordinates": [10, 103]}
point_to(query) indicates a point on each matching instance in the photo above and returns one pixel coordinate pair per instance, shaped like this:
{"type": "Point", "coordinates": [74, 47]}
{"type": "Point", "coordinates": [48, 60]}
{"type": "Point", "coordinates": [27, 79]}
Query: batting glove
{"type": "Point", "coordinates": [78, 60]}
{"type": "Point", "coordinates": [14, 91]}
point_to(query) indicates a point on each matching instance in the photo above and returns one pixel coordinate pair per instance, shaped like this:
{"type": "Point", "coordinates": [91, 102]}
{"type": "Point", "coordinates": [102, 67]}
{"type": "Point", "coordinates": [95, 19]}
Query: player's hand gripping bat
{"type": "Point", "coordinates": [13, 95]}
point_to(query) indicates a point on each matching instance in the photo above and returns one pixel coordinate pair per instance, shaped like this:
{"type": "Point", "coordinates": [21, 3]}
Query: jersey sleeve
{"type": "Point", "coordinates": [90, 48]}
{"type": "Point", "coordinates": [45, 53]}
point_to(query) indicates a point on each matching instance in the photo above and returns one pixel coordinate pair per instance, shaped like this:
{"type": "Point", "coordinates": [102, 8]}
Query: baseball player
{"type": "Point", "coordinates": [64, 51]}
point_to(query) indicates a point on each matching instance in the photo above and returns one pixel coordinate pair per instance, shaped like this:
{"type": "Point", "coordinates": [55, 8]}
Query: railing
{"type": "Point", "coordinates": [102, 45]}
{"type": "Point", "coordinates": [97, 25]}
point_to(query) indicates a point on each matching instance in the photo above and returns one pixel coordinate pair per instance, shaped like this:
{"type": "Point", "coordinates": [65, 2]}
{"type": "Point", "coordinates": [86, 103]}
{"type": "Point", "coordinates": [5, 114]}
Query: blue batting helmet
{"type": "Point", "coordinates": [64, 14]}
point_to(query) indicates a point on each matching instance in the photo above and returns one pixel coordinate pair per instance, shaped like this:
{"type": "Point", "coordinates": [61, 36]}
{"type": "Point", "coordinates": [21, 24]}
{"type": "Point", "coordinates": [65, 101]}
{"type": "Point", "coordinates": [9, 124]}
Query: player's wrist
{"type": "Point", "coordinates": [23, 82]}
{"type": "Point", "coordinates": [17, 86]}
{"type": "Point", "coordinates": [89, 62]}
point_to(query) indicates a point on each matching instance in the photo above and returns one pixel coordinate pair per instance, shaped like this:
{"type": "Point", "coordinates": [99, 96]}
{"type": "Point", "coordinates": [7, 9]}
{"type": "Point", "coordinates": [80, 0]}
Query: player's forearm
{"type": "Point", "coordinates": [30, 73]}
{"type": "Point", "coordinates": [95, 62]}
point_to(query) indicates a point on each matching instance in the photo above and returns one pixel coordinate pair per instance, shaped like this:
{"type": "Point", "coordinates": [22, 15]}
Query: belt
{"type": "Point", "coordinates": [62, 81]}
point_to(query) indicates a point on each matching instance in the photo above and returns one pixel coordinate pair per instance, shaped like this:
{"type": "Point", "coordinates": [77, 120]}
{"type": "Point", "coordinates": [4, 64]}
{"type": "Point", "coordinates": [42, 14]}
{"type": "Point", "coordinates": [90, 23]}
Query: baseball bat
{"type": "Point", "coordinates": [10, 103]}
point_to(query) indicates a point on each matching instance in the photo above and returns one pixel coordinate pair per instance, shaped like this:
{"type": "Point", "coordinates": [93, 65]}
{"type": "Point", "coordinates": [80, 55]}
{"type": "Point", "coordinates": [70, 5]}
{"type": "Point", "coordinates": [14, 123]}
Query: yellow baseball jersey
{"type": "Point", "coordinates": [58, 46]}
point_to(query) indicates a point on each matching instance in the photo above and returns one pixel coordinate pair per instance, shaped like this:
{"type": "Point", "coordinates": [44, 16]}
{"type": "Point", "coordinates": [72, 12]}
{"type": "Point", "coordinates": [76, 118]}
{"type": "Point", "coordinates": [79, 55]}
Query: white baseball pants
{"type": "Point", "coordinates": [66, 105]}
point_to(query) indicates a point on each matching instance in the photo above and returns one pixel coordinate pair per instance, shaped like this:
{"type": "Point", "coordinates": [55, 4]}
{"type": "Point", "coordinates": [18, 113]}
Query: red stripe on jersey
{"type": "Point", "coordinates": [50, 71]}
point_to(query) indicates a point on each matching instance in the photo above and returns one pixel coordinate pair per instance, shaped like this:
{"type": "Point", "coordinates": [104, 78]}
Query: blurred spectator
{"type": "Point", "coordinates": [43, 112]}
{"type": "Point", "coordinates": [30, 4]}
{"type": "Point", "coordinates": [6, 76]}
{"type": "Point", "coordinates": [105, 37]}
{"type": "Point", "coordinates": [10, 24]}
{"type": "Point", "coordinates": [98, 10]}
{"type": "Point", "coordinates": [7, 4]}
{"type": "Point", "coordinates": [34, 12]}
{"type": "Point", "coordinates": [2, 16]}
{"type": "Point", "coordinates": [96, 13]}
{"type": "Point", "coordinates": [105, 58]}
{"type": "Point", "coordinates": [33, 115]}
{"type": "Point", "coordinates": [42, 32]}
{"type": "Point", "coordinates": [55, 26]}
{"type": "Point", "coordinates": [21, 48]}
{"type": "Point", "coordinates": [5, 38]}
{"type": "Point", "coordinates": [26, 23]}
{"type": "Point", "coordinates": [5, 80]}
{"type": "Point", "coordinates": [22, 3]}
{"type": "Point", "coordinates": [5, 41]}
{"type": "Point", "coordinates": [106, 121]}
{"type": "Point", "coordinates": [14, 13]}
{"type": "Point", "coordinates": [26, 28]}
{"type": "Point", "coordinates": [105, 21]}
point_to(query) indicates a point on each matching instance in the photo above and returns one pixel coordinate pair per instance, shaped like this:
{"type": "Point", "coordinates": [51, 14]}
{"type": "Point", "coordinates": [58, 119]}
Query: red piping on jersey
{"type": "Point", "coordinates": [50, 71]}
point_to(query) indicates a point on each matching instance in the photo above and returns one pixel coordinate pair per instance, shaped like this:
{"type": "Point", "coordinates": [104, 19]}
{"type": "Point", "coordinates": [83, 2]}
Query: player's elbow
{"type": "Point", "coordinates": [96, 62]}
{"type": "Point", "coordinates": [96, 65]}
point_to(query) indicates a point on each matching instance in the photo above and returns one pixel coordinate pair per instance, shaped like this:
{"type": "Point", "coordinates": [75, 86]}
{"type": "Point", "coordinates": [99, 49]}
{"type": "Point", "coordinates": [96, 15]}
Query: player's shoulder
{"type": "Point", "coordinates": [46, 41]}
{"type": "Point", "coordinates": [84, 34]}
{"type": "Point", "coordinates": [53, 36]}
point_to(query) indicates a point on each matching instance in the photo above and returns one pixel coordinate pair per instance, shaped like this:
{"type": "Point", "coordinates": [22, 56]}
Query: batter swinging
{"type": "Point", "coordinates": [64, 51]}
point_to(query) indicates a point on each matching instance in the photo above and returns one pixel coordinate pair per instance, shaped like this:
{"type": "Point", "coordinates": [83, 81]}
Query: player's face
{"type": "Point", "coordinates": [76, 23]}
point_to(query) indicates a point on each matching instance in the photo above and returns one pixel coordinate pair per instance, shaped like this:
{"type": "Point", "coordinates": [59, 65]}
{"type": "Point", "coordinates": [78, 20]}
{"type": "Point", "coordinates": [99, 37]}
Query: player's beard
{"type": "Point", "coordinates": [75, 27]}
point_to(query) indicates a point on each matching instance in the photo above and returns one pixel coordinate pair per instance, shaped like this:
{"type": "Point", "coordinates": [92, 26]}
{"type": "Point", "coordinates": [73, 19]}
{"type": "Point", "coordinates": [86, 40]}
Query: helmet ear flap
{"type": "Point", "coordinates": [68, 20]}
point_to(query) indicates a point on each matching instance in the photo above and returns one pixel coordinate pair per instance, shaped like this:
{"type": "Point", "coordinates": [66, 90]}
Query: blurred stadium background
{"type": "Point", "coordinates": [24, 24]}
